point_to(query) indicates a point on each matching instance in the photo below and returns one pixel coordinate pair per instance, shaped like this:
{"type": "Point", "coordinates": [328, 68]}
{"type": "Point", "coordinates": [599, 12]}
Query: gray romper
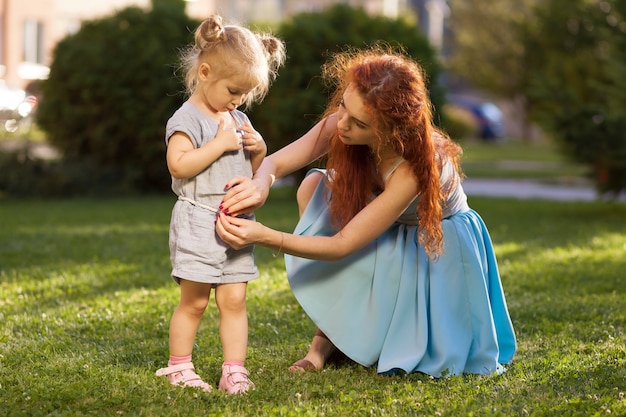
{"type": "Point", "coordinates": [196, 251]}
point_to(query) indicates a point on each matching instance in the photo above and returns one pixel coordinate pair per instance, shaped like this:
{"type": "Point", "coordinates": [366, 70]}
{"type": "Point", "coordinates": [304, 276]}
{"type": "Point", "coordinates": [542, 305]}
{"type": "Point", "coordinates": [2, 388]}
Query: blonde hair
{"type": "Point", "coordinates": [234, 51]}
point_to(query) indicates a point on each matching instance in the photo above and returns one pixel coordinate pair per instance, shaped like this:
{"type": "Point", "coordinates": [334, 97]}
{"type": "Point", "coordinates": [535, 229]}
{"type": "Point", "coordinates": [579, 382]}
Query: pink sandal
{"type": "Point", "coordinates": [235, 379]}
{"type": "Point", "coordinates": [184, 375]}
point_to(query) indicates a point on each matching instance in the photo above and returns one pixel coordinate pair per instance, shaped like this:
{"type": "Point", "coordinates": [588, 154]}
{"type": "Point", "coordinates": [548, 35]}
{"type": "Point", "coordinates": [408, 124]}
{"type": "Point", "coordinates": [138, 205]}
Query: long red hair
{"type": "Point", "coordinates": [393, 89]}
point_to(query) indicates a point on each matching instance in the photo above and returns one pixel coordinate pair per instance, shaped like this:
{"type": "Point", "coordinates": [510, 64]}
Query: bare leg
{"type": "Point", "coordinates": [231, 302]}
{"type": "Point", "coordinates": [306, 189]}
{"type": "Point", "coordinates": [194, 297]}
{"type": "Point", "coordinates": [320, 350]}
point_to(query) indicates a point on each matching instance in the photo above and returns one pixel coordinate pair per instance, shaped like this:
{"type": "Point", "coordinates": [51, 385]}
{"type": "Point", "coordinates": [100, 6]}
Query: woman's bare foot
{"type": "Point", "coordinates": [303, 365]}
{"type": "Point", "coordinates": [321, 348]}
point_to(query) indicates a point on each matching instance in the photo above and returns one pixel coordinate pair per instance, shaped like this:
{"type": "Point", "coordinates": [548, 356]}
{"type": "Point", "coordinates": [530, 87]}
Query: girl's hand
{"type": "Point", "coordinates": [230, 139]}
{"type": "Point", "coordinates": [252, 140]}
{"type": "Point", "coordinates": [244, 195]}
{"type": "Point", "coordinates": [237, 232]}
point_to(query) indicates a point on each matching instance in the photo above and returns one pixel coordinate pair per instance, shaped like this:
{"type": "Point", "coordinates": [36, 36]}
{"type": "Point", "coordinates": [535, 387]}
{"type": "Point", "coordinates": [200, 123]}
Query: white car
{"type": "Point", "coordinates": [15, 107]}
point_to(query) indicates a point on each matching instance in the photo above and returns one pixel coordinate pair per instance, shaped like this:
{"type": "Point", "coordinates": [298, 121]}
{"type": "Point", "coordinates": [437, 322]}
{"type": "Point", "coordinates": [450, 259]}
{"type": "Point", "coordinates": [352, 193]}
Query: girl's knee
{"type": "Point", "coordinates": [194, 297]}
{"type": "Point", "coordinates": [306, 189]}
{"type": "Point", "coordinates": [194, 308]}
{"type": "Point", "coordinates": [231, 297]}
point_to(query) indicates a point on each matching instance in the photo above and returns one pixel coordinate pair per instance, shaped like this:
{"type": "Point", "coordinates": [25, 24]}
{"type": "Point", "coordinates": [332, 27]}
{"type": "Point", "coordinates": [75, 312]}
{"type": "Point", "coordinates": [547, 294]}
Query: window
{"type": "Point", "coordinates": [33, 48]}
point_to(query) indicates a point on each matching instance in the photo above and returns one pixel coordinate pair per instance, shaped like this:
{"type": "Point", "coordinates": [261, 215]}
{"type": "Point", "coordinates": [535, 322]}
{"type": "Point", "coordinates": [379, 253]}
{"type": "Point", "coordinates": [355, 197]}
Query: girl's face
{"type": "Point", "coordinates": [222, 94]}
{"type": "Point", "coordinates": [353, 123]}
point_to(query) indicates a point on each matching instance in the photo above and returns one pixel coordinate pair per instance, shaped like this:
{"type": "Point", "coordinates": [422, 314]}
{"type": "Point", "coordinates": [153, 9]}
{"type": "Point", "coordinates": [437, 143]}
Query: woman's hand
{"type": "Point", "coordinates": [244, 195]}
{"type": "Point", "coordinates": [237, 232]}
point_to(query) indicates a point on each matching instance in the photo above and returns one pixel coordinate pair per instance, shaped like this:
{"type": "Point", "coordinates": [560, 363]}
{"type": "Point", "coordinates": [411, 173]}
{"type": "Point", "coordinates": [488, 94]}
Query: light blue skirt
{"type": "Point", "coordinates": [389, 305]}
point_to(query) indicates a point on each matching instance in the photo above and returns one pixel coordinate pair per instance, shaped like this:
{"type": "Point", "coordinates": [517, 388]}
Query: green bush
{"type": "Point", "coordinates": [578, 83]}
{"type": "Point", "coordinates": [27, 176]}
{"type": "Point", "coordinates": [298, 97]}
{"type": "Point", "coordinates": [111, 89]}
{"type": "Point", "coordinates": [459, 123]}
{"type": "Point", "coordinates": [112, 86]}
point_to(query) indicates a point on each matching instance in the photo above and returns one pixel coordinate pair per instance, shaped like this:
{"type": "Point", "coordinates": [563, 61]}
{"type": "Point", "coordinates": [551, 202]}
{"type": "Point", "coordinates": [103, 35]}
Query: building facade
{"type": "Point", "coordinates": [30, 29]}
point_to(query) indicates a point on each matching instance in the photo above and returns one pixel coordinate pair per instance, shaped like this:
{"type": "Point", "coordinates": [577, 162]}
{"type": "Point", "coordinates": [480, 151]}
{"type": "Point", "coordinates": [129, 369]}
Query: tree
{"type": "Point", "coordinates": [111, 90]}
{"type": "Point", "coordinates": [112, 85]}
{"type": "Point", "coordinates": [487, 48]}
{"type": "Point", "coordinates": [297, 98]}
{"type": "Point", "coordinates": [578, 83]}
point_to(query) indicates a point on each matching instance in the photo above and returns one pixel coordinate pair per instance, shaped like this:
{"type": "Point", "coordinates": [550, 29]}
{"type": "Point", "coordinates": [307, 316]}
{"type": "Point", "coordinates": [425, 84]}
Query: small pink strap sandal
{"type": "Point", "coordinates": [235, 379]}
{"type": "Point", "coordinates": [184, 375]}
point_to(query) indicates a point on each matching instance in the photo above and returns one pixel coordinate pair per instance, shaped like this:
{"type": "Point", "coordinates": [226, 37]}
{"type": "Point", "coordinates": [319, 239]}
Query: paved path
{"type": "Point", "coordinates": [527, 189]}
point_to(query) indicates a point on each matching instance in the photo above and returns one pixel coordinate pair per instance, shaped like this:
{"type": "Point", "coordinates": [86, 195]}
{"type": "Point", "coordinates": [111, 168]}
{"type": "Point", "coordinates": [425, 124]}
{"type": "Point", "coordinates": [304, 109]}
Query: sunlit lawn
{"type": "Point", "coordinates": [85, 302]}
{"type": "Point", "coordinates": [513, 158]}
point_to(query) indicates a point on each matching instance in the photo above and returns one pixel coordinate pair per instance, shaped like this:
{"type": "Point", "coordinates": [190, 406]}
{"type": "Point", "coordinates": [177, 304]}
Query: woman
{"type": "Point", "coordinates": [388, 260]}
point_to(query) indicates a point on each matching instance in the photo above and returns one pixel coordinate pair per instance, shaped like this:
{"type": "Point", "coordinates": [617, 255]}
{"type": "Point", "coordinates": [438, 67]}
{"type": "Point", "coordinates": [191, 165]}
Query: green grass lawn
{"type": "Point", "coordinates": [86, 298]}
{"type": "Point", "coordinates": [540, 160]}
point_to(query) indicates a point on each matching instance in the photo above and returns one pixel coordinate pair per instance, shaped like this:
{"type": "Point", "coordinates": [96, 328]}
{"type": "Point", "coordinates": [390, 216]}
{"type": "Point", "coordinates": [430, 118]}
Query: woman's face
{"type": "Point", "coordinates": [353, 123]}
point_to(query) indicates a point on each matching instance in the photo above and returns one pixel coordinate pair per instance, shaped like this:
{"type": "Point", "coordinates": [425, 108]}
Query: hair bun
{"type": "Point", "coordinates": [275, 49]}
{"type": "Point", "coordinates": [211, 30]}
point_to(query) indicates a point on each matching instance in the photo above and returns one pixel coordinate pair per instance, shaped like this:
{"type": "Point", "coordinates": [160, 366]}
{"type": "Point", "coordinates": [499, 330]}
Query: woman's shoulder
{"type": "Point", "coordinates": [394, 166]}
{"type": "Point", "coordinates": [400, 172]}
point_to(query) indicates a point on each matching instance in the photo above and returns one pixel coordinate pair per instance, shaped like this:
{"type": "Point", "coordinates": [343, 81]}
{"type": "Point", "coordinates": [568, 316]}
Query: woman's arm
{"type": "Point", "coordinates": [308, 148]}
{"type": "Point", "coordinates": [367, 225]}
{"type": "Point", "coordinates": [245, 195]}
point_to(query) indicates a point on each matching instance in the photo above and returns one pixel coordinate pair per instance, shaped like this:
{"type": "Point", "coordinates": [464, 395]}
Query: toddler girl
{"type": "Point", "coordinates": [209, 142]}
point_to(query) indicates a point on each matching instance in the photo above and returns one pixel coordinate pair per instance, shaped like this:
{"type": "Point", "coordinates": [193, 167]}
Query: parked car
{"type": "Point", "coordinates": [16, 107]}
{"type": "Point", "coordinates": [488, 116]}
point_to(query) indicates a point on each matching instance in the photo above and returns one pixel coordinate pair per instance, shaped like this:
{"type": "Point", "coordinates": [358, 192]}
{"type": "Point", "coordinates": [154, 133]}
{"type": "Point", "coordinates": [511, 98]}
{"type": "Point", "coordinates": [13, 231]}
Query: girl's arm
{"type": "Point", "coordinates": [254, 144]}
{"type": "Point", "coordinates": [367, 225]}
{"type": "Point", "coordinates": [245, 195]}
{"type": "Point", "coordinates": [186, 161]}
{"type": "Point", "coordinates": [256, 159]}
